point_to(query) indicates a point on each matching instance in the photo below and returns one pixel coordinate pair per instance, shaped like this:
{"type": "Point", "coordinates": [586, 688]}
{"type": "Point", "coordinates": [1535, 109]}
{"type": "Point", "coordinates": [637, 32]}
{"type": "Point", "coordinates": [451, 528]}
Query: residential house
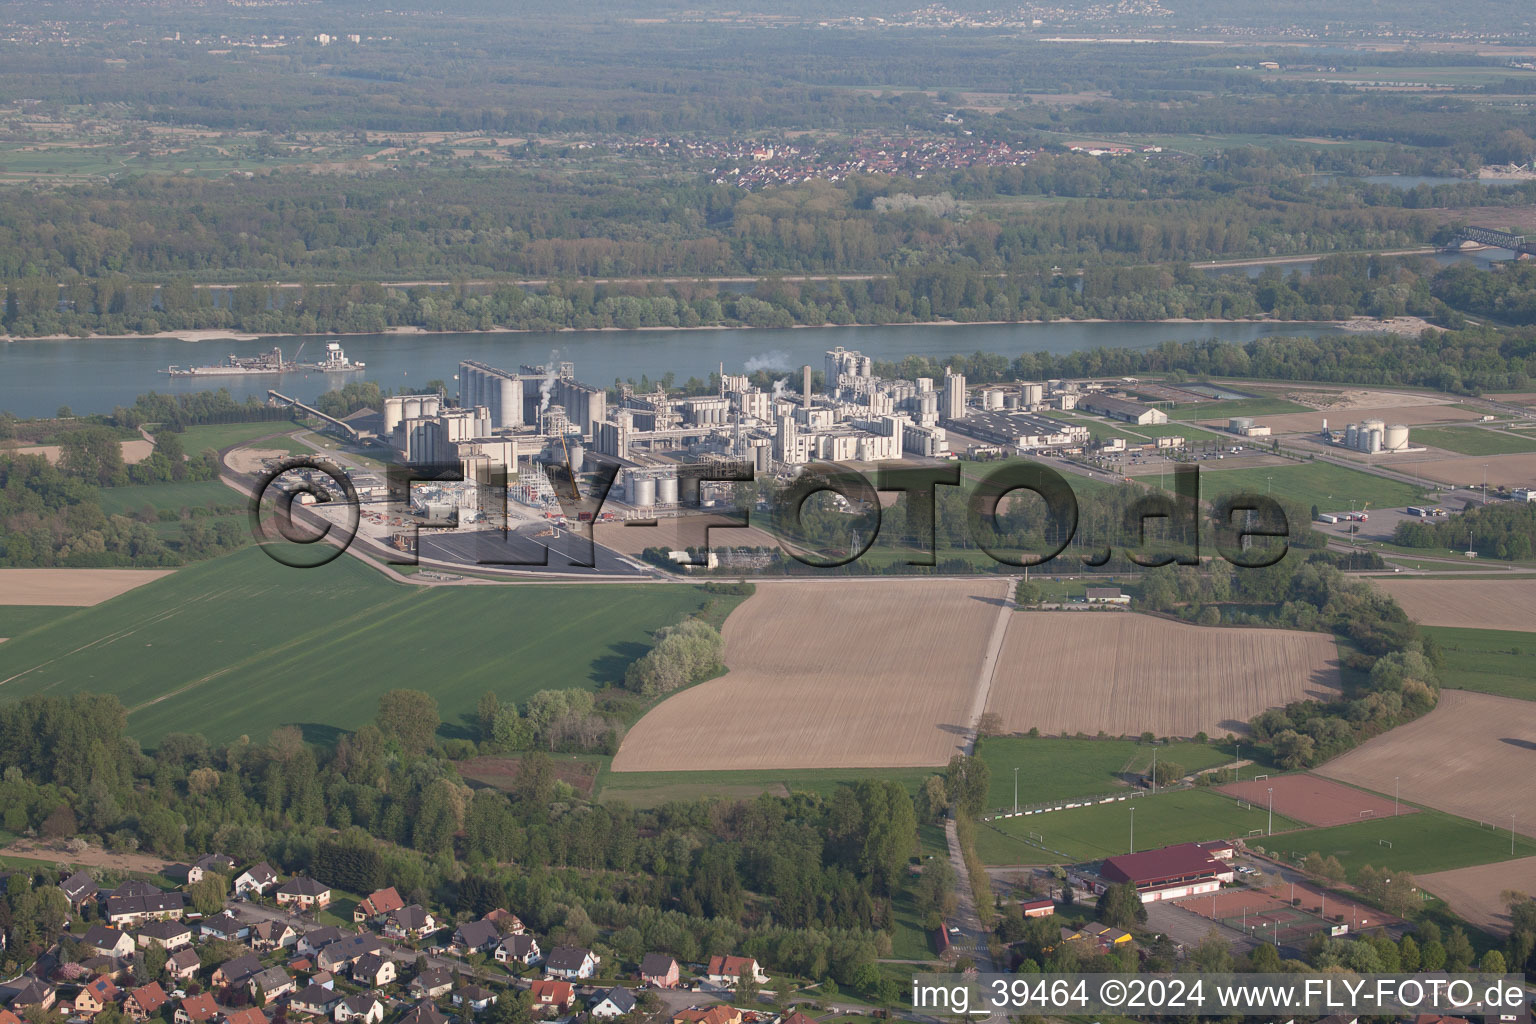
{"type": "Point", "coordinates": [316, 1000]}
{"type": "Point", "coordinates": [797, 1018]}
{"type": "Point", "coordinates": [112, 967]}
{"type": "Point", "coordinates": [518, 949]}
{"type": "Point", "coordinates": [198, 1009]}
{"type": "Point", "coordinates": [375, 905]}
{"type": "Point", "coordinates": [145, 1001]}
{"type": "Point", "coordinates": [223, 925]}
{"type": "Point", "coordinates": [616, 1002]}
{"type": "Point", "coordinates": [312, 942]}
{"type": "Point", "coordinates": [79, 888]}
{"type": "Point", "coordinates": [168, 935]}
{"type": "Point", "coordinates": [269, 935]}
{"type": "Point", "coordinates": [374, 971]}
{"type": "Point", "coordinates": [505, 921]}
{"type": "Point", "coordinates": [659, 971]}
{"type": "Point", "coordinates": [423, 1013]}
{"type": "Point", "coordinates": [364, 1007]}
{"type": "Point", "coordinates": [476, 936]}
{"type": "Point", "coordinates": [7, 1017]}
{"type": "Point", "coordinates": [302, 892]}
{"type": "Point", "coordinates": [550, 996]}
{"type": "Point", "coordinates": [570, 962]}
{"type": "Point", "coordinates": [256, 880]}
{"type": "Point", "coordinates": [343, 953]}
{"type": "Point", "coordinates": [726, 971]}
{"type": "Point", "coordinates": [33, 992]}
{"type": "Point", "coordinates": [474, 998]}
{"type": "Point", "coordinates": [153, 905]}
{"type": "Point", "coordinates": [183, 964]}
{"type": "Point", "coordinates": [717, 1014]}
{"type": "Point", "coordinates": [250, 1015]}
{"type": "Point", "coordinates": [270, 983]}
{"type": "Point", "coordinates": [108, 941]}
{"type": "Point", "coordinates": [431, 983]}
{"type": "Point", "coordinates": [209, 864]}
{"type": "Point", "coordinates": [95, 995]}
{"type": "Point", "coordinates": [237, 971]}
{"type": "Point", "coordinates": [412, 922]}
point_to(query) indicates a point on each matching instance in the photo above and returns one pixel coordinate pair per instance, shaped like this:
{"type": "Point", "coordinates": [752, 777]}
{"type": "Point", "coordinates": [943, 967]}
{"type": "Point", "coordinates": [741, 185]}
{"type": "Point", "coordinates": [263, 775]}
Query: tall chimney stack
{"type": "Point", "coordinates": [805, 386]}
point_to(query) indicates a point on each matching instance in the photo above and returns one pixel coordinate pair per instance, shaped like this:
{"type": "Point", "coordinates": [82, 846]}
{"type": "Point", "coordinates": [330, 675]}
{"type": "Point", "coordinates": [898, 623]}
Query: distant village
{"type": "Point", "coordinates": [141, 953]}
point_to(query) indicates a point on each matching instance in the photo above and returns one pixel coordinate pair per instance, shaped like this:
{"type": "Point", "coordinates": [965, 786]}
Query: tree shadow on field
{"type": "Point", "coordinates": [1233, 726]}
{"type": "Point", "coordinates": [996, 601]}
{"type": "Point", "coordinates": [1522, 744]}
{"type": "Point", "coordinates": [608, 669]}
{"type": "Point", "coordinates": [318, 734]}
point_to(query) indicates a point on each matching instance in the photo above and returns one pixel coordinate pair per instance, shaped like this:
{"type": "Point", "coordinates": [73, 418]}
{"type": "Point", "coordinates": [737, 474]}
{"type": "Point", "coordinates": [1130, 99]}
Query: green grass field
{"type": "Point", "coordinates": [16, 619]}
{"type": "Point", "coordinates": [1487, 660]}
{"type": "Point", "coordinates": [240, 645]}
{"type": "Point", "coordinates": [652, 789]}
{"type": "Point", "coordinates": [1473, 440]}
{"type": "Point", "coordinates": [218, 436]}
{"type": "Point", "coordinates": [1421, 842]}
{"type": "Point", "coordinates": [1329, 487]}
{"type": "Point", "coordinates": [204, 494]}
{"type": "Point", "coordinates": [1060, 769]}
{"type": "Point", "coordinates": [1104, 830]}
{"type": "Point", "coordinates": [1235, 407]}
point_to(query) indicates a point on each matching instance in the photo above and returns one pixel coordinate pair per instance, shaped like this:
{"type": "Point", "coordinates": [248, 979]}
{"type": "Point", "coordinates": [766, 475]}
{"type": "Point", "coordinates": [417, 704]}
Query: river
{"type": "Point", "coordinates": [94, 376]}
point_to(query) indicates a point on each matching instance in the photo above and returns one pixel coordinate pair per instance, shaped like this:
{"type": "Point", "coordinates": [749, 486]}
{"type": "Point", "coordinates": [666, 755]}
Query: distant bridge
{"type": "Point", "coordinates": [1499, 239]}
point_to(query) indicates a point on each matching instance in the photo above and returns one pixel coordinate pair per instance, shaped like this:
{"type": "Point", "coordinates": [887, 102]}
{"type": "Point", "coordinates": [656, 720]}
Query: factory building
{"type": "Point", "coordinates": [954, 397]}
{"type": "Point", "coordinates": [1122, 409]}
{"type": "Point", "coordinates": [1372, 437]}
{"type": "Point", "coordinates": [499, 391]}
{"type": "Point", "coordinates": [1025, 430]}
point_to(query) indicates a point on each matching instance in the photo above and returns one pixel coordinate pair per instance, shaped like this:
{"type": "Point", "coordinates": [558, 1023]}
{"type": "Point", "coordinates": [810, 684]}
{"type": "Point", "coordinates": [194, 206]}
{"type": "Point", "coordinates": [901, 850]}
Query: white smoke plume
{"type": "Point", "coordinates": [774, 360]}
{"type": "Point", "coordinates": [778, 388]}
{"type": "Point", "coordinates": [547, 385]}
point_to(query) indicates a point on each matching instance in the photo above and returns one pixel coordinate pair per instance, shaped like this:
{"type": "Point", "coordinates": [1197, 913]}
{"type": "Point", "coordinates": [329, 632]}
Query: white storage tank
{"type": "Point", "coordinates": [413, 408]}
{"type": "Point", "coordinates": [394, 413]}
{"type": "Point", "coordinates": [1352, 436]}
{"type": "Point", "coordinates": [1239, 424]}
{"type": "Point", "coordinates": [994, 399]}
{"type": "Point", "coordinates": [509, 411]}
{"type": "Point", "coordinates": [645, 492]}
{"type": "Point", "coordinates": [1032, 394]}
{"type": "Point", "coordinates": [666, 490]}
{"type": "Point", "coordinates": [1376, 437]}
{"type": "Point", "coordinates": [431, 405]}
{"type": "Point", "coordinates": [1396, 438]}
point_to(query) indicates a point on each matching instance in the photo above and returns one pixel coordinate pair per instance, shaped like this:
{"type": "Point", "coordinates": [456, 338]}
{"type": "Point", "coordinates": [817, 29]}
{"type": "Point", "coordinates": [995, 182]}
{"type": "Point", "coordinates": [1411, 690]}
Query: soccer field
{"type": "Point", "coordinates": [1422, 842]}
{"type": "Point", "coordinates": [1104, 830]}
{"type": "Point", "coordinates": [240, 645]}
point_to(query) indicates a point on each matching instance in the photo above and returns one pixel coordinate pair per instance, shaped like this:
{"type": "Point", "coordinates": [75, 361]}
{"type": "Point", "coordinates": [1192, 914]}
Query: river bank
{"type": "Point", "coordinates": [1356, 324]}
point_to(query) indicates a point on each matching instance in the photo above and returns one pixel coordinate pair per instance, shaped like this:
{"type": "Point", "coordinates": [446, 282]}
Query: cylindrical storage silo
{"type": "Point", "coordinates": [394, 412]}
{"type": "Point", "coordinates": [431, 405]}
{"type": "Point", "coordinates": [1239, 424]}
{"type": "Point", "coordinates": [645, 492]}
{"type": "Point", "coordinates": [994, 400]}
{"type": "Point", "coordinates": [1352, 436]}
{"type": "Point", "coordinates": [1011, 400]}
{"type": "Point", "coordinates": [508, 411]}
{"type": "Point", "coordinates": [1373, 425]}
{"type": "Point", "coordinates": [413, 408]}
{"type": "Point", "coordinates": [1376, 438]}
{"type": "Point", "coordinates": [1396, 438]}
{"type": "Point", "coordinates": [666, 490]}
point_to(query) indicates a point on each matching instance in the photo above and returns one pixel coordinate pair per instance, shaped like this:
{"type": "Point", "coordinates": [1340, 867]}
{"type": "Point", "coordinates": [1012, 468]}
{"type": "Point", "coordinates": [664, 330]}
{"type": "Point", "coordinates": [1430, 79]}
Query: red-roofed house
{"type": "Point", "coordinates": [377, 905]}
{"type": "Point", "coordinates": [1043, 907]}
{"type": "Point", "coordinates": [552, 995]}
{"type": "Point", "coordinates": [726, 971]}
{"type": "Point", "coordinates": [250, 1015]}
{"type": "Point", "coordinates": [197, 1009]}
{"type": "Point", "coordinates": [145, 1001]}
{"type": "Point", "coordinates": [95, 995]}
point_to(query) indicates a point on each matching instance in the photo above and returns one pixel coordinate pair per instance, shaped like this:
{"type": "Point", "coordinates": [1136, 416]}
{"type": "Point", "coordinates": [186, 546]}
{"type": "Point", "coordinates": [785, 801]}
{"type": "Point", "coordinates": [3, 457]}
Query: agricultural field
{"type": "Point", "coordinates": [218, 436]}
{"type": "Point", "coordinates": [1470, 756]}
{"type": "Point", "coordinates": [1125, 674]}
{"type": "Point", "coordinates": [1314, 800]}
{"type": "Point", "coordinates": [1104, 830]}
{"type": "Point", "coordinates": [1473, 893]}
{"type": "Point", "coordinates": [1323, 484]}
{"type": "Point", "coordinates": [652, 789]}
{"type": "Point", "coordinates": [1486, 660]}
{"type": "Point", "coordinates": [1467, 604]}
{"type": "Point", "coordinates": [78, 588]}
{"type": "Point", "coordinates": [197, 494]}
{"type": "Point", "coordinates": [232, 646]}
{"type": "Point", "coordinates": [134, 451]}
{"type": "Point", "coordinates": [16, 619]}
{"type": "Point", "coordinates": [1061, 769]}
{"type": "Point", "coordinates": [1421, 843]}
{"type": "Point", "coordinates": [831, 674]}
{"type": "Point", "coordinates": [1474, 440]}
{"type": "Point", "coordinates": [1467, 470]}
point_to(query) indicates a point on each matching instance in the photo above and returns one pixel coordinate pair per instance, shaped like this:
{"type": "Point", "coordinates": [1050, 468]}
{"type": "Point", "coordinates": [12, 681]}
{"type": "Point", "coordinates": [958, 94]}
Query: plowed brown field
{"type": "Point", "coordinates": [1474, 892]}
{"type": "Point", "coordinates": [1473, 604]}
{"type": "Point", "coordinates": [1069, 672]}
{"type": "Point", "coordinates": [844, 674]}
{"type": "Point", "coordinates": [79, 588]}
{"type": "Point", "coordinates": [1474, 755]}
{"type": "Point", "coordinates": [1518, 470]}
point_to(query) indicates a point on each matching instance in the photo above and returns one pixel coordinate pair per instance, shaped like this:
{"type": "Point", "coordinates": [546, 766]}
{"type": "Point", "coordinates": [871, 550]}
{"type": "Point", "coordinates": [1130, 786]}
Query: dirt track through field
{"type": "Point", "coordinates": [1474, 892]}
{"type": "Point", "coordinates": [1474, 755]}
{"type": "Point", "coordinates": [1125, 674]}
{"type": "Point", "coordinates": [71, 588]}
{"type": "Point", "coordinates": [845, 674]}
{"type": "Point", "coordinates": [1472, 604]}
